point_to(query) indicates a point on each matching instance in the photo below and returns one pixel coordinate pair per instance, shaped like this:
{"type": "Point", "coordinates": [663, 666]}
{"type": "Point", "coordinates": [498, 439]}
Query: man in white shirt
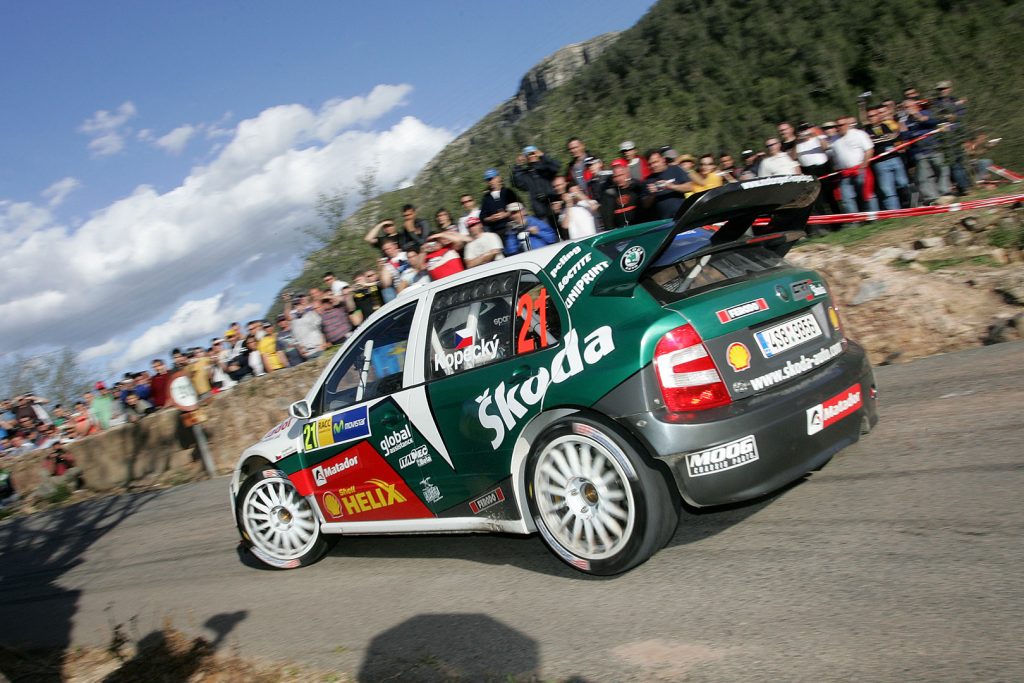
{"type": "Point", "coordinates": [777, 162]}
{"type": "Point", "coordinates": [851, 153]}
{"type": "Point", "coordinates": [483, 248]}
{"type": "Point", "coordinates": [472, 211]}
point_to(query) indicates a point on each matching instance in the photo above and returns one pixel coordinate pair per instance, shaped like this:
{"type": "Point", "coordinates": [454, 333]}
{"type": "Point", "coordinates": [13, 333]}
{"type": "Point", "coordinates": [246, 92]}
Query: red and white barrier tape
{"type": "Point", "coordinates": [897, 148]}
{"type": "Point", "coordinates": [867, 216]}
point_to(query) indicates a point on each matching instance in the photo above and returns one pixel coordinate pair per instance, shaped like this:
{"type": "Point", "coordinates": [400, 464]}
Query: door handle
{"type": "Point", "coordinates": [521, 374]}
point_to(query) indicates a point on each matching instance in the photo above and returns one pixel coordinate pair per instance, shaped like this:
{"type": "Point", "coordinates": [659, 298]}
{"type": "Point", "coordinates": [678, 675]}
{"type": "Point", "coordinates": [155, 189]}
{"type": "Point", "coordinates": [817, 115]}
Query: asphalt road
{"type": "Point", "coordinates": [900, 560]}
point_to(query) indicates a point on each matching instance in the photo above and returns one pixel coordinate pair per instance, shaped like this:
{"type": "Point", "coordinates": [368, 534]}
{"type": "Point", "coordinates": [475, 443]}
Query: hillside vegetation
{"type": "Point", "coordinates": [716, 75]}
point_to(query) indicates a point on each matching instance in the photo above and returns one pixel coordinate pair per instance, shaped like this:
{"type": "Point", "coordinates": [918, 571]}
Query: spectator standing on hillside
{"type": "Point", "coordinates": [334, 286]}
{"type": "Point", "coordinates": [273, 358]}
{"type": "Point", "coordinates": [365, 297]}
{"type": "Point", "coordinates": [306, 326]}
{"type": "Point", "coordinates": [416, 273]}
{"type": "Point", "coordinates": [385, 231]}
{"type": "Point", "coordinates": [727, 166]}
{"type": "Point", "coordinates": [777, 162]}
{"type": "Point", "coordinates": [494, 203]}
{"type": "Point", "coordinates": [392, 264]}
{"type": "Point", "coordinates": [953, 110]}
{"type": "Point", "coordinates": [483, 246]}
{"type": "Point", "coordinates": [287, 342]}
{"type": "Point", "coordinates": [159, 383]}
{"type": "Point", "coordinates": [751, 164]}
{"type": "Point", "coordinates": [600, 177]}
{"type": "Point", "coordinates": [334, 321]}
{"type": "Point", "coordinates": [444, 220]}
{"type": "Point", "coordinates": [441, 257]}
{"type": "Point", "coordinates": [812, 155]}
{"type": "Point", "coordinates": [625, 200]}
{"type": "Point", "coordinates": [707, 176]}
{"type": "Point", "coordinates": [578, 216]}
{"type": "Point", "coordinates": [788, 139]}
{"type": "Point", "coordinates": [932, 172]}
{"type": "Point", "coordinates": [852, 152]}
{"type": "Point", "coordinates": [668, 185]}
{"type": "Point", "coordinates": [470, 209]}
{"type": "Point", "coordinates": [414, 230]}
{"type": "Point", "coordinates": [101, 409]}
{"type": "Point", "coordinates": [533, 174]}
{"type": "Point", "coordinates": [577, 172]}
{"type": "Point", "coordinates": [527, 232]}
{"type": "Point", "coordinates": [890, 175]}
{"type": "Point", "coordinates": [635, 164]}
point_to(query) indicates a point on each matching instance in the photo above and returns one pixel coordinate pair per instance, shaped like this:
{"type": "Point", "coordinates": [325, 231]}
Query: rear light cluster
{"type": "Point", "coordinates": [686, 373]}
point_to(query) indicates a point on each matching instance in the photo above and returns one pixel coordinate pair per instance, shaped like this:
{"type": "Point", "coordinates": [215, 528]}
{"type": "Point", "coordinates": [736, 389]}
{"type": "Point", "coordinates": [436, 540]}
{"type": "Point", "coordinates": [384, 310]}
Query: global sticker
{"type": "Point", "coordinates": [738, 356]}
{"type": "Point", "coordinates": [632, 259]}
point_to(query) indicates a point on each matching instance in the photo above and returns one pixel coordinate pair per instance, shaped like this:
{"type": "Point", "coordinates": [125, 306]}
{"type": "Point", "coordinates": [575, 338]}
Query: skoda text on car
{"type": "Point", "coordinates": [581, 391]}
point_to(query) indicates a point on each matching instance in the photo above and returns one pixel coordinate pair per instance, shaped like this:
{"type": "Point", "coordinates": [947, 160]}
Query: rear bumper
{"type": "Point", "coordinates": [759, 444]}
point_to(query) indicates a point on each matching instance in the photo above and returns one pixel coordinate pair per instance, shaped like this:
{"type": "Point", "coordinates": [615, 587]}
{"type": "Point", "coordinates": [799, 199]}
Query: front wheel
{"type": "Point", "coordinates": [598, 504]}
{"type": "Point", "coordinates": [278, 524]}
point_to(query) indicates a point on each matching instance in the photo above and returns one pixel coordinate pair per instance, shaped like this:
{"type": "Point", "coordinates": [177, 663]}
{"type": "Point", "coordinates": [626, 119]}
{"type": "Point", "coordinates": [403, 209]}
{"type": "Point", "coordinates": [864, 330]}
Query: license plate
{"type": "Point", "coordinates": [784, 336]}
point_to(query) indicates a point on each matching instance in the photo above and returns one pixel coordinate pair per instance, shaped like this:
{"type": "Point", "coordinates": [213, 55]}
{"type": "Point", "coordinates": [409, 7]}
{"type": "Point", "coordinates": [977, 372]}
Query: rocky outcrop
{"type": "Point", "coordinates": [556, 70]}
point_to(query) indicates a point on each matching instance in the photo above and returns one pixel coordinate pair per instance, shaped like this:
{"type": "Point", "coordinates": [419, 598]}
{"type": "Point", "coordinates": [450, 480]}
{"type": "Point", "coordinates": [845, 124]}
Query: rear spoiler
{"type": "Point", "coordinates": [784, 199]}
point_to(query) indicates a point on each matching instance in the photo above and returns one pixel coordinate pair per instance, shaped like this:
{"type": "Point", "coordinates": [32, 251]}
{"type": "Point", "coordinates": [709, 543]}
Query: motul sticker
{"type": "Point", "coordinates": [487, 500]}
{"type": "Point", "coordinates": [747, 308]}
{"type": "Point", "coordinates": [834, 409]}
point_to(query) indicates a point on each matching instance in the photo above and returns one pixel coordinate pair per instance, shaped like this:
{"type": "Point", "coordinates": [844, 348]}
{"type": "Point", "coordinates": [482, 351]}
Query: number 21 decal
{"type": "Point", "coordinates": [525, 307]}
{"type": "Point", "coordinates": [309, 440]}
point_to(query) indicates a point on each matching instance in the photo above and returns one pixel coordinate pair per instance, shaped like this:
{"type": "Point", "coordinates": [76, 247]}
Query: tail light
{"type": "Point", "coordinates": [686, 373]}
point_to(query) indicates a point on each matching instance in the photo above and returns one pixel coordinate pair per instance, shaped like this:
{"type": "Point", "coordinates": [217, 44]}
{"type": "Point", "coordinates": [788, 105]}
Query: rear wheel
{"type": "Point", "coordinates": [598, 504]}
{"type": "Point", "coordinates": [278, 525]}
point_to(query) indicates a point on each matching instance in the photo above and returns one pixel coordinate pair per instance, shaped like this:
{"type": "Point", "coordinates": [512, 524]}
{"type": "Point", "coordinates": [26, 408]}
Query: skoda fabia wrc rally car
{"type": "Point", "coordinates": [581, 391]}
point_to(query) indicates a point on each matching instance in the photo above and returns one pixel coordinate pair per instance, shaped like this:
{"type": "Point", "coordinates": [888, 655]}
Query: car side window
{"type": "Point", "coordinates": [537, 324]}
{"type": "Point", "coordinates": [471, 325]}
{"type": "Point", "coordinates": [372, 366]}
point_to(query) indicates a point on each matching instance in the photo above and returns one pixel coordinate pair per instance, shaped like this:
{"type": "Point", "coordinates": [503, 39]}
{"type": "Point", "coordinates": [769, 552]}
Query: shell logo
{"type": "Point", "coordinates": [738, 356]}
{"type": "Point", "coordinates": [332, 504]}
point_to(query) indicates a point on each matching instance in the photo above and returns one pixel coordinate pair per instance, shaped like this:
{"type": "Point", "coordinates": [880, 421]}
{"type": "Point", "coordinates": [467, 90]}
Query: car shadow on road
{"type": "Point", "coordinates": [438, 648]}
{"type": "Point", "coordinates": [36, 551]}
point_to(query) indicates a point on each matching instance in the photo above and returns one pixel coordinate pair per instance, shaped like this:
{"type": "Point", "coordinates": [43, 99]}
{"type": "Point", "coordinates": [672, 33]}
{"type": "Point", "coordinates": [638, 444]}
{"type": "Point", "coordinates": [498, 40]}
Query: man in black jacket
{"type": "Point", "coordinates": [493, 203]}
{"type": "Point", "coordinates": [533, 173]}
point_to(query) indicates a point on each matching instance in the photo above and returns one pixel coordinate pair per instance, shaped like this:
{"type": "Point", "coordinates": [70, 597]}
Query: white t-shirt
{"type": "Point", "coordinates": [308, 332]}
{"type": "Point", "coordinates": [849, 150]}
{"type": "Point", "coordinates": [811, 153]}
{"type": "Point", "coordinates": [337, 286]}
{"type": "Point", "coordinates": [778, 164]}
{"type": "Point", "coordinates": [481, 245]}
{"type": "Point", "coordinates": [580, 222]}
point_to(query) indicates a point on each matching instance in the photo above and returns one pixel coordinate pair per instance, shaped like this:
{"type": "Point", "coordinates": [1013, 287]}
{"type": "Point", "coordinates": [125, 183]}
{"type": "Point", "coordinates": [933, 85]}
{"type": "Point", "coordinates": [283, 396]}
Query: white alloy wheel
{"type": "Point", "coordinates": [583, 497]}
{"type": "Point", "coordinates": [278, 521]}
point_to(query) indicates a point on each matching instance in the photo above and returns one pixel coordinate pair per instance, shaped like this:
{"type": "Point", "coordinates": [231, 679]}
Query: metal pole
{"type": "Point", "coordinates": [204, 449]}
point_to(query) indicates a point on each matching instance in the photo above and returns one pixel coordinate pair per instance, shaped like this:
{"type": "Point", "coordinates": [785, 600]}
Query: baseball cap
{"type": "Point", "coordinates": [620, 162]}
{"type": "Point", "coordinates": [684, 157]}
{"type": "Point", "coordinates": [100, 386]}
{"type": "Point", "coordinates": [830, 124]}
{"type": "Point", "coordinates": [491, 173]}
{"type": "Point", "coordinates": [669, 153]}
{"type": "Point", "coordinates": [514, 206]}
{"type": "Point", "coordinates": [627, 145]}
{"type": "Point", "coordinates": [747, 153]}
{"type": "Point", "coordinates": [530, 148]}
{"type": "Point", "coordinates": [472, 220]}
{"type": "Point", "coordinates": [943, 84]}
{"type": "Point", "coordinates": [590, 160]}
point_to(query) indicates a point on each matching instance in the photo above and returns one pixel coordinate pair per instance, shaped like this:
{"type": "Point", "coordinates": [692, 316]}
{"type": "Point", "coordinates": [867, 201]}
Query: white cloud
{"type": "Point", "coordinates": [176, 140]}
{"type": "Point", "coordinates": [201, 318]}
{"type": "Point", "coordinates": [99, 350]}
{"type": "Point", "coordinates": [56, 194]}
{"type": "Point", "coordinates": [141, 256]}
{"type": "Point", "coordinates": [107, 129]}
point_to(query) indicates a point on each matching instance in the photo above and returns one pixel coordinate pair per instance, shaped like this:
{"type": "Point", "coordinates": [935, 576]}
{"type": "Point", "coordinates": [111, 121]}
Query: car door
{"type": "Point", "coordinates": [489, 351]}
{"type": "Point", "coordinates": [357, 420]}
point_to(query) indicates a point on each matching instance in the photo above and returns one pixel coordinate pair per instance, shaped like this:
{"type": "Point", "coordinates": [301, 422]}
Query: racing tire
{"type": "Point", "coordinates": [599, 505]}
{"type": "Point", "coordinates": [277, 524]}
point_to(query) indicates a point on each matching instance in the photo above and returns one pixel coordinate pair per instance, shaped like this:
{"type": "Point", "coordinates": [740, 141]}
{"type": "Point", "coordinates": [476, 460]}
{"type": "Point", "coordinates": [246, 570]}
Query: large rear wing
{"type": "Point", "coordinates": [705, 221]}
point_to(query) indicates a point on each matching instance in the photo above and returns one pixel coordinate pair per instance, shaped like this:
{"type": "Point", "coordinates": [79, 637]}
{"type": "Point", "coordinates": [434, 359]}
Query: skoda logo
{"type": "Point", "coordinates": [632, 259]}
{"type": "Point", "coordinates": [782, 292]}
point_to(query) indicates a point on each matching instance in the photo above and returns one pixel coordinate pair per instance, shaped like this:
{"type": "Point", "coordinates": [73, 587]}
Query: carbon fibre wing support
{"type": "Point", "coordinates": [734, 206]}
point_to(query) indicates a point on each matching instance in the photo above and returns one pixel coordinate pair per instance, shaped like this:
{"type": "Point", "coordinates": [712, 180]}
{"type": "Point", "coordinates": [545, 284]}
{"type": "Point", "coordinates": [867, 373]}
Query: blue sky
{"type": "Point", "coordinates": [157, 159]}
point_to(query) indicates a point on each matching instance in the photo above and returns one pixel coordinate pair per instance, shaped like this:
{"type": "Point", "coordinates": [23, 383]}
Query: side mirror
{"type": "Point", "coordinates": [300, 410]}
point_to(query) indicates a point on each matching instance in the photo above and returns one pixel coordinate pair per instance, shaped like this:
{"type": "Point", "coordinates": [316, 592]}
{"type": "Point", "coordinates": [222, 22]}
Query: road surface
{"type": "Point", "coordinates": [900, 560]}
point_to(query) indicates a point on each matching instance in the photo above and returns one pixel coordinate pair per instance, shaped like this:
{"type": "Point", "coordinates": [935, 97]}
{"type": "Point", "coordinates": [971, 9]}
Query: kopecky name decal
{"type": "Point", "coordinates": [502, 411]}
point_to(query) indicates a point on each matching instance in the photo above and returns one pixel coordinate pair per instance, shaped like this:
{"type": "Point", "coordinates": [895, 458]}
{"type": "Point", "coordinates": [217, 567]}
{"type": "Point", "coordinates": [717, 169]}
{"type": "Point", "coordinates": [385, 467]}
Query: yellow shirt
{"type": "Point", "coordinates": [268, 347]}
{"type": "Point", "coordinates": [200, 375]}
{"type": "Point", "coordinates": [710, 182]}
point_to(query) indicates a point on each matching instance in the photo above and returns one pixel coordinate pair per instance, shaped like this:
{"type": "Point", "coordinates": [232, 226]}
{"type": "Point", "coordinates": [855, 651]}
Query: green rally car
{"type": "Point", "coordinates": [581, 391]}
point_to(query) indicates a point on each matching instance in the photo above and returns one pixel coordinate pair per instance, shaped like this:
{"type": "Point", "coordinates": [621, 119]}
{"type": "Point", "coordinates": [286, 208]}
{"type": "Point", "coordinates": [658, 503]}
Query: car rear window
{"type": "Point", "coordinates": [691, 276]}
